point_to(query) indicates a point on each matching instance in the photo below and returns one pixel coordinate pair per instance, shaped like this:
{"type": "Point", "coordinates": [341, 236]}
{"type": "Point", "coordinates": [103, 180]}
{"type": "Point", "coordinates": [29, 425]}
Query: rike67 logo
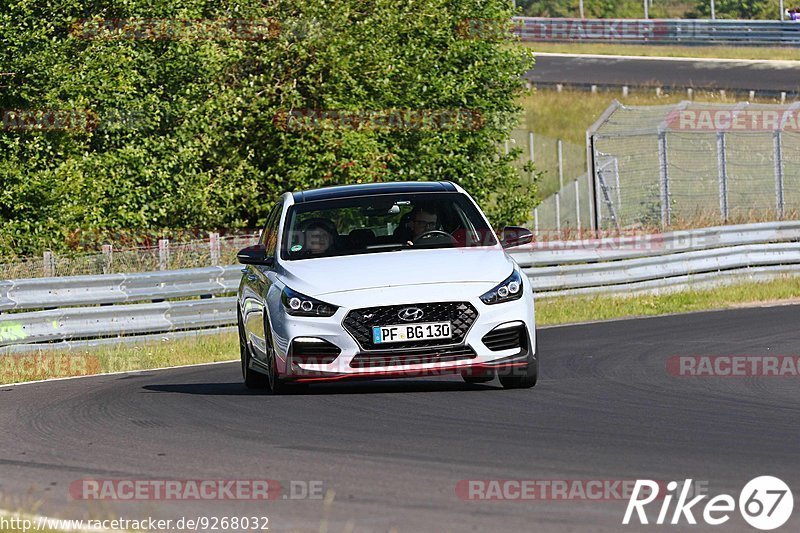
{"type": "Point", "coordinates": [765, 503]}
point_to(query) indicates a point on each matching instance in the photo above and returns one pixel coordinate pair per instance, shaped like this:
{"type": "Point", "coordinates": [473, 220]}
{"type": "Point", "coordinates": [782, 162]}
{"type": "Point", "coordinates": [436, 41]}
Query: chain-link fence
{"type": "Point", "coordinates": [696, 164]}
{"type": "Point", "coordinates": [566, 210]}
{"type": "Point", "coordinates": [564, 196]}
{"type": "Point", "coordinates": [214, 251]}
{"type": "Point", "coordinates": [557, 161]}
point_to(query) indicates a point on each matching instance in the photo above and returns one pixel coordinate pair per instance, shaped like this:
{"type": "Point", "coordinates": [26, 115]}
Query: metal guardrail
{"type": "Point", "coordinates": [658, 31]}
{"type": "Point", "coordinates": [590, 250]}
{"type": "Point", "coordinates": [36, 293]}
{"type": "Point", "coordinates": [92, 310]}
{"type": "Point", "coordinates": [115, 320]}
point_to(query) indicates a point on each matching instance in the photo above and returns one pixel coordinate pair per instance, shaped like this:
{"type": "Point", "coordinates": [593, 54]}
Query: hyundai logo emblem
{"type": "Point", "coordinates": [410, 314]}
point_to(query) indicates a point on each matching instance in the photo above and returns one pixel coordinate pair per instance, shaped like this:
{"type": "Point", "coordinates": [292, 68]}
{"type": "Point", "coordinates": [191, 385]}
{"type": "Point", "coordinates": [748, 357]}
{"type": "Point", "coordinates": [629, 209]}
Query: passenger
{"type": "Point", "coordinates": [318, 238]}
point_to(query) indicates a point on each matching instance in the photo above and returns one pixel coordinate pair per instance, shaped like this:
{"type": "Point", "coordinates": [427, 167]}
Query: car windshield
{"type": "Point", "coordinates": [383, 223]}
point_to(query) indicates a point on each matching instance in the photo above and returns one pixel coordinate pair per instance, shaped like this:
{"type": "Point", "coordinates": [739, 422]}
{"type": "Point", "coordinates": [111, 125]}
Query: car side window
{"type": "Point", "coordinates": [271, 230]}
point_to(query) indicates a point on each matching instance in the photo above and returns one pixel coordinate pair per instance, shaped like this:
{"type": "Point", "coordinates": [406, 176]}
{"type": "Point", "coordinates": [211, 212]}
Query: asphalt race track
{"type": "Point", "coordinates": [735, 75]}
{"type": "Point", "coordinates": [391, 453]}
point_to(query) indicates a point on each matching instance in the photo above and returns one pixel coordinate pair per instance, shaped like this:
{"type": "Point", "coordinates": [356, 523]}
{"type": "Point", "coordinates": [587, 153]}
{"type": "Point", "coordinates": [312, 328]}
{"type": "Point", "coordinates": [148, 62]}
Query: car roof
{"type": "Point", "coordinates": [368, 189]}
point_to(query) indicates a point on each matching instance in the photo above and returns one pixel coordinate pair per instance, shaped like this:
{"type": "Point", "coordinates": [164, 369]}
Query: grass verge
{"type": "Point", "coordinates": [550, 311]}
{"type": "Point", "coordinates": [48, 364]}
{"type": "Point", "coordinates": [592, 308]}
{"type": "Point", "coordinates": [719, 52]}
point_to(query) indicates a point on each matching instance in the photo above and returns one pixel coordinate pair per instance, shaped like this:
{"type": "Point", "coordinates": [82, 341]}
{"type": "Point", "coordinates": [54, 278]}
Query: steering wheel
{"type": "Point", "coordinates": [430, 237]}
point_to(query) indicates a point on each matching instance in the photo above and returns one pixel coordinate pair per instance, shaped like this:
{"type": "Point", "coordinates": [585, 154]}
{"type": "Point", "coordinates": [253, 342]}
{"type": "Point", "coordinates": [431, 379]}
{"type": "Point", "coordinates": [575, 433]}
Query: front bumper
{"type": "Point", "coordinates": [471, 356]}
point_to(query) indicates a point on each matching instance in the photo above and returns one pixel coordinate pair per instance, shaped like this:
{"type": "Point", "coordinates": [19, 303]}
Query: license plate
{"type": "Point", "coordinates": [411, 332]}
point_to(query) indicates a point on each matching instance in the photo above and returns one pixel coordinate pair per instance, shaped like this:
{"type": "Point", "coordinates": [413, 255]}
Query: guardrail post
{"type": "Point", "coordinates": [163, 254]}
{"type": "Point", "coordinates": [779, 200]}
{"type": "Point", "coordinates": [560, 148]}
{"type": "Point", "coordinates": [578, 206]}
{"type": "Point", "coordinates": [536, 222]}
{"type": "Point", "coordinates": [666, 208]}
{"type": "Point", "coordinates": [213, 243]}
{"type": "Point", "coordinates": [108, 252]}
{"type": "Point", "coordinates": [49, 264]}
{"type": "Point", "coordinates": [722, 167]}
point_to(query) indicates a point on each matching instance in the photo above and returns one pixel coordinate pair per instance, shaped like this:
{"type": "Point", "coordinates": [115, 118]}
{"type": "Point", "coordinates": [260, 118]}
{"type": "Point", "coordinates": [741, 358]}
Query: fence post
{"type": "Point", "coordinates": [213, 243]}
{"type": "Point", "coordinates": [779, 201]}
{"type": "Point", "coordinates": [558, 212]}
{"type": "Point", "coordinates": [163, 254]}
{"type": "Point", "coordinates": [531, 154]}
{"type": "Point", "coordinates": [49, 264]}
{"type": "Point", "coordinates": [560, 148]}
{"type": "Point", "coordinates": [666, 209]}
{"type": "Point", "coordinates": [722, 166]}
{"type": "Point", "coordinates": [108, 252]}
{"type": "Point", "coordinates": [578, 206]}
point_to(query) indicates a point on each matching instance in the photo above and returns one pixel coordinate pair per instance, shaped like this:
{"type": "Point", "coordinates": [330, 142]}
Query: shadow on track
{"type": "Point", "coordinates": [365, 387]}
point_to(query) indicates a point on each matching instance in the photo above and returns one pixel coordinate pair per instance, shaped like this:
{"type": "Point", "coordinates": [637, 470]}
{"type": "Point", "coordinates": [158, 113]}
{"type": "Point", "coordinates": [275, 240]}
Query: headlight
{"type": "Point", "coordinates": [510, 289]}
{"type": "Point", "coordinates": [297, 304]}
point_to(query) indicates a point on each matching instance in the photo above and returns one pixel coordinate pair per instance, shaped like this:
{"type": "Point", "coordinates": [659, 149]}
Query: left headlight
{"type": "Point", "coordinates": [297, 304]}
{"type": "Point", "coordinates": [510, 289]}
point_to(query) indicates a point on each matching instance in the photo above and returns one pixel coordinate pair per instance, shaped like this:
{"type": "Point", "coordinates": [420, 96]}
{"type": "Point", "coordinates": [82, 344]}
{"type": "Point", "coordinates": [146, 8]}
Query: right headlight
{"type": "Point", "coordinates": [298, 304]}
{"type": "Point", "coordinates": [510, 289]}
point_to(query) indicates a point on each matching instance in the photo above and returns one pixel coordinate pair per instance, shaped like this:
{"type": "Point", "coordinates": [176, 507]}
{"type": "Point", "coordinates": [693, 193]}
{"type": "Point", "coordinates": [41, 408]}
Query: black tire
{"type": "Point", "coordinates": [252, 379]}
{"type": "Point", "coordinates": [526, 379]}
{"type": "Point", "coordinates": [274, 383]}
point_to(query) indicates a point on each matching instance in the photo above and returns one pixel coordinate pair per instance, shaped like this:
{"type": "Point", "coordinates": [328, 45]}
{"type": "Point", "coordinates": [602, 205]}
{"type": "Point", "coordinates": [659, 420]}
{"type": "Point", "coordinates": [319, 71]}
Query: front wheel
{"type": "Point", "coordinates": [529, 375]}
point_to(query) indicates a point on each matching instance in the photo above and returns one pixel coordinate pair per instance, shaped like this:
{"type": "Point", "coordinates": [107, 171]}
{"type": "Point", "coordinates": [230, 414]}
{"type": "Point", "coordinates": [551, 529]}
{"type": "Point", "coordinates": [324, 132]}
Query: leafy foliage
{"type": "Point", "coordinates": [741, 9]}
{"type": "Point", "coordinates": [185, 134]}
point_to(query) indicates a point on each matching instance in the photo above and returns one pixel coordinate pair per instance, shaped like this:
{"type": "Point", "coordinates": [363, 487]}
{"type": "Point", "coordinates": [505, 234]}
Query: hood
{"type": "Point", "coordinates": [318, 277]}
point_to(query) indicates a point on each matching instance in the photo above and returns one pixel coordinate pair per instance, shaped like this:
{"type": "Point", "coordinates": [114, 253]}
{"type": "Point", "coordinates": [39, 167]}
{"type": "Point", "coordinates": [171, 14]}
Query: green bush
{"type": "Point", "coordinates": [741, 9]}
{"type": "Point", "coordinates": [185, 136]}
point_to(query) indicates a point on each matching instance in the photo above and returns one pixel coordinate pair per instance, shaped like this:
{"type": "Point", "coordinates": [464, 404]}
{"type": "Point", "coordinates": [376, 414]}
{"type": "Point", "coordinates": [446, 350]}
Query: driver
{"type": "Point", "coordinates": [422, 219]}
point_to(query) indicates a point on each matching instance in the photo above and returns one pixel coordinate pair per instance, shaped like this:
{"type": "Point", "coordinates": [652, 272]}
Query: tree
{"type": "Point", "coordinates": [740, 9]}
{"type": "Point", "coordinates": [186, 133]}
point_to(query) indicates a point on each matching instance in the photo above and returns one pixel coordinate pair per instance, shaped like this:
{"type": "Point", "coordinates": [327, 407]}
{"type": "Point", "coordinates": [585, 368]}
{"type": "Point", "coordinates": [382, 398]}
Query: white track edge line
{"type": "Point", "coordinates": [775, 62]}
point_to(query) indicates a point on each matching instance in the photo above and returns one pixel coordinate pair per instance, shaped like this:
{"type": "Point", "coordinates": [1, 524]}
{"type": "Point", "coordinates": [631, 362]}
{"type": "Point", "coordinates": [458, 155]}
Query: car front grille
{"type": "Point", "coordinates": [412, 357]}
{"type": "Point", "coordinates": [359, 323]}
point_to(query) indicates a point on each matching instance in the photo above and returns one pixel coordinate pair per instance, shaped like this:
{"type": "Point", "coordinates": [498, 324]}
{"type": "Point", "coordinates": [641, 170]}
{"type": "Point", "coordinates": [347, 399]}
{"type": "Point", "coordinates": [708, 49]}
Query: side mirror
{"type": "Point", "coordinates": [254, 255]}
{"type": "Point", "coordinates": [515, 236]}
